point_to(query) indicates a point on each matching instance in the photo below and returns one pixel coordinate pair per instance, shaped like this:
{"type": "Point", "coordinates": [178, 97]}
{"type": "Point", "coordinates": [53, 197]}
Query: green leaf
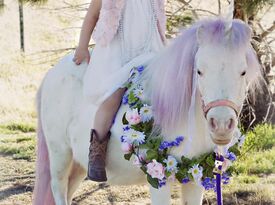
{"type": "Point", "coordinates": [128, 156]}
{"type": "Point", "coordinates": [151, 154]}
{"type": "Point", "coordinates": [186, 161]}
{"type": "Point", "coordinates": [153, 181]}
{"type": "Point", "coordinates": [132, 99]}
{"type": "Point", "coordinates": [124, 121]}
{"type": "Point", "coordinates": [210, 161]}
{"type": "Point", "coordinates": [143, 168]}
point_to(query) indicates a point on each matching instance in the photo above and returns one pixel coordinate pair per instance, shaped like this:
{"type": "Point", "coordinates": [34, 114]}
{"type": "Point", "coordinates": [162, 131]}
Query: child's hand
{"type": "Point", "coordinates": [81, 55]}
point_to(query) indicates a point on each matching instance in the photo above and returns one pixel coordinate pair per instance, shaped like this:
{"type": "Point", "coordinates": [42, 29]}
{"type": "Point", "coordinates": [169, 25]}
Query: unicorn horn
{"type": "Point", "coordinates": [230, 13]}
{"type": "Point", "coordinates": [229, 18]}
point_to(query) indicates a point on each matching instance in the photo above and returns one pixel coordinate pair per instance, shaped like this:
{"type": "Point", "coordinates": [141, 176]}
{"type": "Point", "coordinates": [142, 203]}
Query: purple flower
{"type": "Point", "coordinates": [122, 139]}
{"type": "Point", "coordinates": [163, 145]}
{"type": "Point", "coordinates": [231, 156]}
{"type": "Point", "coordinates": [225, 178]}
{"type": "Point", "coordinates": [125, 100]}
{"type": "Point", "coordinates": [209, 183]}
{"type": "Point", "coordinates": [140, 69]}
{"type": "Point", "coordinates": [166, 144]}
{"type": "Point", "coordinates": [162, 183]}
{"type": "Point", "coordinates": [185, 180]}
{"type": "Point", "coordinates": [126, 128]}
{"type": "Point", "coordinates": [179, 139]}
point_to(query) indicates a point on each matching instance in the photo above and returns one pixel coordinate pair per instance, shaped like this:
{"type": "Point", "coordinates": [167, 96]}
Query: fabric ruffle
{"type": "Point", "coordinates": [110, 14]}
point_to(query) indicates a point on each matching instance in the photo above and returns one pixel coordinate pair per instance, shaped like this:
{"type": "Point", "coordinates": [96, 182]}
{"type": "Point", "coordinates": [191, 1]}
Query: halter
{"type": "Point", "coordinates": [219, 103]}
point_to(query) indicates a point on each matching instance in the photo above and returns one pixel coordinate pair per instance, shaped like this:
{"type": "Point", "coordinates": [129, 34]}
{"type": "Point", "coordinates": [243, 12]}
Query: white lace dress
{"type": "Point", "coordinates": [135, 43]}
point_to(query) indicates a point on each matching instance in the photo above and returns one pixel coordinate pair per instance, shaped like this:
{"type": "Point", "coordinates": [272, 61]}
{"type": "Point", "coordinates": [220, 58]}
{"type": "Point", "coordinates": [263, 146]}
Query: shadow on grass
{"type": "Point", "coordinates": [82, 197]}
{"type": "Point", "coordinates": [15, 190]}
{"type": "Point", "coordinates": [13, 179]}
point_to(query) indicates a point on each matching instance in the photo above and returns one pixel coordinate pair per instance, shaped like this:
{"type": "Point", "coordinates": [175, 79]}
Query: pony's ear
{"type": "Point", "coordinates": [229, 20]}
{"type": "Point", "coordinates": [199, 34]}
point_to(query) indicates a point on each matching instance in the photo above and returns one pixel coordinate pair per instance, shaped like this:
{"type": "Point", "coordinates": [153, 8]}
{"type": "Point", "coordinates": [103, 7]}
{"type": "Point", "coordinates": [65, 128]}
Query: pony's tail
{"type": "Point", "coordinates": [42, 189]}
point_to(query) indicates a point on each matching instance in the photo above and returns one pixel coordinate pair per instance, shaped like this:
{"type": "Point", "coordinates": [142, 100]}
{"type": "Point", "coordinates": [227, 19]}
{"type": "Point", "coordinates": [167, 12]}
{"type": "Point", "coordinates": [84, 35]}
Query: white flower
{"type": "Point", "coordinates": [139, 93]}
{"type": "Point", "coordinates": [133, 117]}
{"type": "Point", "coordinates": [196, 172]}
{"type": "Point", "coordinates": [171, 164]}
{"type": "Point", "coordinates": [146, 113]}
{"type": "Point", "coordinates": [135, 136]}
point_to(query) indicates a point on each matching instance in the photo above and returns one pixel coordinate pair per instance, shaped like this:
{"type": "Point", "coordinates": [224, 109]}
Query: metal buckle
{"type": "Point", "coordinates": [218, 167]}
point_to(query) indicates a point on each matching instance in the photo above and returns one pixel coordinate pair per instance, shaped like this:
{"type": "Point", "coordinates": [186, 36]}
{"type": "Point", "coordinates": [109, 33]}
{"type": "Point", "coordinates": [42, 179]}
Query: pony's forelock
{"type": "Point", "coordinates": [172, 71]}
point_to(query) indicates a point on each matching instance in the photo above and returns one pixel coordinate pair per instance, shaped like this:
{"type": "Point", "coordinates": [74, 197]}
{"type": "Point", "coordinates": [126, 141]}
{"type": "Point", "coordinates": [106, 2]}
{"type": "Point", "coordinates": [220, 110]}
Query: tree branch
{"type": "Point", "coordinates": [268, 31]}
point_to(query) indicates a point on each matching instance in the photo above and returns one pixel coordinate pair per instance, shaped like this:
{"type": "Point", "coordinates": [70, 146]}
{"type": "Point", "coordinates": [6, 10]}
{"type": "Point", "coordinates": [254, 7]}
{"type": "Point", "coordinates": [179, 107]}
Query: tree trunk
{"type": "Point", "coordinates": [238, 11]}
{"type": "Point", "coordinates": [21, 20]}
{"type": "Point", "coordinates": [2, 4]}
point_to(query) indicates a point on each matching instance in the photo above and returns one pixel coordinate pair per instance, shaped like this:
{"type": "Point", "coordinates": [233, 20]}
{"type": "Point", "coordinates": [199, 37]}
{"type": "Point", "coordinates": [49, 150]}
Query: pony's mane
{"type": "Point", "coordinates": [172, 71]}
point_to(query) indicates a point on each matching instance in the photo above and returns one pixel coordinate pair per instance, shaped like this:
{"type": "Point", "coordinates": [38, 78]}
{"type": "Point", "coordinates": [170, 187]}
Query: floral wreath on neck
{"type": "Point", "coordinates": [152, 156]}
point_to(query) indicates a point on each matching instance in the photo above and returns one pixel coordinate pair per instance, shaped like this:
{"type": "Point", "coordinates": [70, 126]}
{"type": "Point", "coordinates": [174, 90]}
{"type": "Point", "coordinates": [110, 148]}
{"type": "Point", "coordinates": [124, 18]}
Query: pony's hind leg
{"type": "Point", "coordinates": [61, 162]}
{"type": "Point", "coordinates": [77, 175]}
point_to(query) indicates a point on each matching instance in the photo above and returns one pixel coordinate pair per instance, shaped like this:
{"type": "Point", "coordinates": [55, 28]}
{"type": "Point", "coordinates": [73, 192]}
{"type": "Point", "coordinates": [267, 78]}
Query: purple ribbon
{"type": "Point", "coordinates": [218, 172]}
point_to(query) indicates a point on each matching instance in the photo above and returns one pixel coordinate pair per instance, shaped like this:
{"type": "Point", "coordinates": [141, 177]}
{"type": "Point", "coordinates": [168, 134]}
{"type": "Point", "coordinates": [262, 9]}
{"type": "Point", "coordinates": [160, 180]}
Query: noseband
{"type": "Point", "coordinates": [219, 103]}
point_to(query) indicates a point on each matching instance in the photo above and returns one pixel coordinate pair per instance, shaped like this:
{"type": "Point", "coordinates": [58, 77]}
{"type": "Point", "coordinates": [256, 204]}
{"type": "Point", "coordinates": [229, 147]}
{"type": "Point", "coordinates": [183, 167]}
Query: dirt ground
{"type": "Point", "coordinates": [17, 181]}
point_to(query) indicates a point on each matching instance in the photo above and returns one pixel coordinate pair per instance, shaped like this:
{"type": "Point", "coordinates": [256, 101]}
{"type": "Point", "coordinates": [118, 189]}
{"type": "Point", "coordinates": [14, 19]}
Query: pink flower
{"type": "Point", "coordinates": [126, 147]}
{"type": "Point", "coordinates": [155, 169]}
{"type": "Point", "coordinates": [226, 164]}
{"type": "Point", "coordinates": [138, 159]}
{"type": "Point", "coordinates": [133, 117]}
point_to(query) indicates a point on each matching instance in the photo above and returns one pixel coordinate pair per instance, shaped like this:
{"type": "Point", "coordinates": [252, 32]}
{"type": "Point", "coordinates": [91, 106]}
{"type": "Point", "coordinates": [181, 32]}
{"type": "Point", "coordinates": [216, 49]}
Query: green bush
{"type": "Point", "coordinates": [262, 137]}
{"type": "Point", "coordinates": [262, 162]}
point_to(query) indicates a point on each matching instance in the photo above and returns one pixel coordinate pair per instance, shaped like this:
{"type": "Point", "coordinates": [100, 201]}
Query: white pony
{"type": "Point", "coordinates": [209, 65]}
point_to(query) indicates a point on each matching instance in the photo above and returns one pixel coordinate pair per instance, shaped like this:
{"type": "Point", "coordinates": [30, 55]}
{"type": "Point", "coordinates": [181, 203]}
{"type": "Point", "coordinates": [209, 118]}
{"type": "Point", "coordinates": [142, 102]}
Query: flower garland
{"type": "Point", "coordinates": [152, 156]}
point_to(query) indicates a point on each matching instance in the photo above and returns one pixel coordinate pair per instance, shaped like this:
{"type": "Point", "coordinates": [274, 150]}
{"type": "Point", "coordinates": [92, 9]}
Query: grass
{"type": "Point", "coordinates": [14, 128]}
{"type": "Point", "coordinates": [19, 146]}
{"type": "Point", "coordinates": [258, 152]}
{"type": "Point", "coordinates": [257, 163]}
{"type": "Point", "coordinates": [18, 140]}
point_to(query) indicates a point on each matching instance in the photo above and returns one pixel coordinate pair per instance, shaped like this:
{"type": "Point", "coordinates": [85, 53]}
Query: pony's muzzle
{"type": "Point", "coordinates": [221, 123]}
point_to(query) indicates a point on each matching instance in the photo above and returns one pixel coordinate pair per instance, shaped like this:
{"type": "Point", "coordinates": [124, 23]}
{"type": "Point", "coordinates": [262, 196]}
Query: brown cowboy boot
{"type": "Point", "coordinates": [97, 157]}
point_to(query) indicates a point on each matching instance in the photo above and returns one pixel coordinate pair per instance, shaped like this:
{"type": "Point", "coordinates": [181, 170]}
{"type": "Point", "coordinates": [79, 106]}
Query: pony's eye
{"type": "Point", "coordinates": [243, 73]}
{"type": "Point", "coordinates": [199, 72]}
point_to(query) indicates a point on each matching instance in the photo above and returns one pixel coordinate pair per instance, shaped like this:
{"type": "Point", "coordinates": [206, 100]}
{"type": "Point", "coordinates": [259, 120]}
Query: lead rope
{"type": "Point", "coordinates": [218, 173]}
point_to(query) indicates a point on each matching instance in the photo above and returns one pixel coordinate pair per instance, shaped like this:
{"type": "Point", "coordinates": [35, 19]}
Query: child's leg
{"type": "Point", "coordinates": [105, 114]}
{"type": "Point", "coordinates": [100, 135]}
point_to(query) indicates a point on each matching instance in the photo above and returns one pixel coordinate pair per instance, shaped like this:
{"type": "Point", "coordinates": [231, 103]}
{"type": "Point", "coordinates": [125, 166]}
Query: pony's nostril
{"type": "Point", "coordinates": [230, 124]}
{"type": "Point", "coordinates": [213, 124]}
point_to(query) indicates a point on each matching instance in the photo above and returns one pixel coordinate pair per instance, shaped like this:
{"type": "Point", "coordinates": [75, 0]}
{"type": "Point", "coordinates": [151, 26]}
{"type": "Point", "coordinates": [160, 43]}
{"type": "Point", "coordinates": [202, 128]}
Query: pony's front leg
{"type": "Point", "coordinates": [161, 196]}
{"type": "Point", "coordinates": [192, 194]}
